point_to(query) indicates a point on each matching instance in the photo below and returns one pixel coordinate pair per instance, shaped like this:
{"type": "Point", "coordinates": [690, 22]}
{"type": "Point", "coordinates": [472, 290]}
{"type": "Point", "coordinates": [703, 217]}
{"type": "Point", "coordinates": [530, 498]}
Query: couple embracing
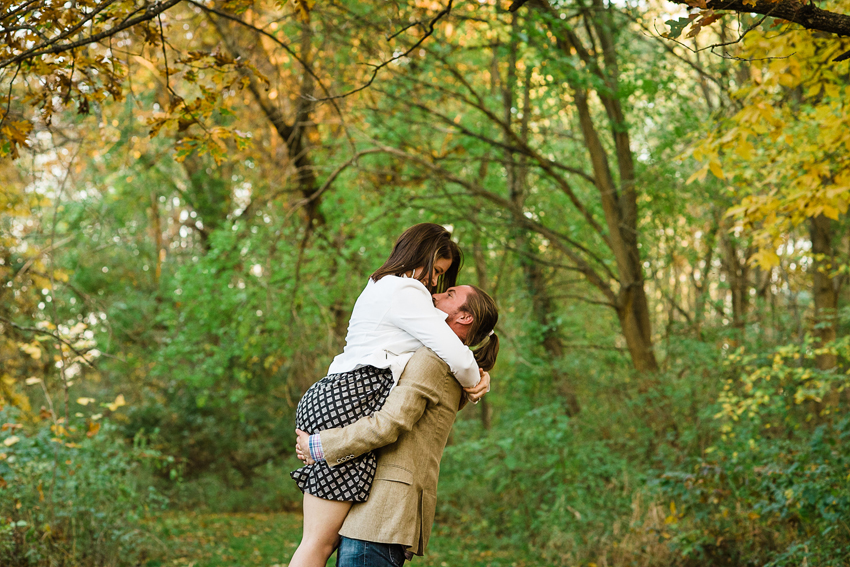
{"type": "Point", "coordinates": [372, 432]}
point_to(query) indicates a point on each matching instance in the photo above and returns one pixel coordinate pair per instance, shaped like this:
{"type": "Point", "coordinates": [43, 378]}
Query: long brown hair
{"type": "Point", "coordinates": [481, 338]}
{"type": "Point", "coordinates": [420, 246]}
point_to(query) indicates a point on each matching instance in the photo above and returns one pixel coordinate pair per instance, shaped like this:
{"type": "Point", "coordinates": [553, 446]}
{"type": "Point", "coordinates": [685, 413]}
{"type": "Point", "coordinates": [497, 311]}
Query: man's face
{"type": "Point", "coordinates": [450, 302]}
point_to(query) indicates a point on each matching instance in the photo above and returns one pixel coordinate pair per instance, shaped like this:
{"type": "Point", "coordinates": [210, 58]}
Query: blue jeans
{"type": "Point", "coordinates": [358, 553]}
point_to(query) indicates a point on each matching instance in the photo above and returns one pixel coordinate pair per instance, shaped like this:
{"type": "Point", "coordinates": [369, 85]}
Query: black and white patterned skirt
{"type": "Point", "coordinates": [338, 400]}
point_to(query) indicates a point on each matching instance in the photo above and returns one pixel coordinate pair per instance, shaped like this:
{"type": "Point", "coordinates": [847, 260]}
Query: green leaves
{"type": "Point", "coordinates": [677, 26]}
{"type": "Point", "coordinates": [73, 500]}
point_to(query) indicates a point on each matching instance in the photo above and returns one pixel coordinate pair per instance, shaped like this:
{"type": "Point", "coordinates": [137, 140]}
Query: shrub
{"type": "Point", "coordinates": [69, 494]}
{"type": "Point", "coordinates": [772, 489]}
{"type": "Point", "coordinates": [539, 485]}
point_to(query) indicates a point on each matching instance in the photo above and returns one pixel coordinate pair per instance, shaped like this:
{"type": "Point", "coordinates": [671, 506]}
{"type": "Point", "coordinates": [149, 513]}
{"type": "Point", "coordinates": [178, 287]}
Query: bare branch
{"type": "Point", "coordinates": [562, 242]}
{"type": "Point", "coordinates": [440, 15]}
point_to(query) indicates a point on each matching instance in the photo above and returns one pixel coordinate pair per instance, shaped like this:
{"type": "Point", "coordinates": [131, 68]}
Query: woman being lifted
{"type": "Point", "coordinates": [393, 317]}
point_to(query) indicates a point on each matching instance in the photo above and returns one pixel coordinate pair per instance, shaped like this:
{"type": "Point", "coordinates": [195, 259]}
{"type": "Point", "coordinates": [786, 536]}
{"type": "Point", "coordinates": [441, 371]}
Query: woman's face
{"type": "Point", "coordinates": [440, 267]}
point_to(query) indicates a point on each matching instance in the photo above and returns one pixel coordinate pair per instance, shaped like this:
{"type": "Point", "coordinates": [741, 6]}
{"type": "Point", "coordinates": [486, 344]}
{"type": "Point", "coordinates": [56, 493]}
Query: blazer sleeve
{"type": "Point", "coordinates": [420, 384]}
{"type": "Point", "coordinates": [413, 311]}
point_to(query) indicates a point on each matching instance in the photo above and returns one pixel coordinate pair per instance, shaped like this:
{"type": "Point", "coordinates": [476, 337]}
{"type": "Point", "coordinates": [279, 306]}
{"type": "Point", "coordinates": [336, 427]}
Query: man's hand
{"type": "Point", "coordinates": [302, 447]}
{"type": "Point", "coordinates": [477, 392]}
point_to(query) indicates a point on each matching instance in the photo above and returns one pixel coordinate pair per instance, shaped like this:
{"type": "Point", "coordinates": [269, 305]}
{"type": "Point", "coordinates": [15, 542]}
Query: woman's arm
{"type": "Point", "coordinates": [412, 310]}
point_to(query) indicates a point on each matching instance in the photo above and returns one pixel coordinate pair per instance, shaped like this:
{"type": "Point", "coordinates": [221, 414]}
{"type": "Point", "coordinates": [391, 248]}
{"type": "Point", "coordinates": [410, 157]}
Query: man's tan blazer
{"type": "Point", "coordinates": [411, 430]}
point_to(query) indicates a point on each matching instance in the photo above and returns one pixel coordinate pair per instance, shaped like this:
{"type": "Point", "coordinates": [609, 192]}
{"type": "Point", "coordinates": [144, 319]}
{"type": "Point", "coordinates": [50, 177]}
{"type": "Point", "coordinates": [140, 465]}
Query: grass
{"type": "Point", "coordinates": [268, 540]}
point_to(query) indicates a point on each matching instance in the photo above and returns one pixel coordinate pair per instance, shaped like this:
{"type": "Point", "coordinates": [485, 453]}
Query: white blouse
{"type": "Point", "coordinates": [393, 318]}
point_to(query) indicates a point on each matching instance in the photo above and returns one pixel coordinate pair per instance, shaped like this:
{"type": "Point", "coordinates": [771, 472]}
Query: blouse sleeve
{"type": "Point", "coordinates": [413, 311]}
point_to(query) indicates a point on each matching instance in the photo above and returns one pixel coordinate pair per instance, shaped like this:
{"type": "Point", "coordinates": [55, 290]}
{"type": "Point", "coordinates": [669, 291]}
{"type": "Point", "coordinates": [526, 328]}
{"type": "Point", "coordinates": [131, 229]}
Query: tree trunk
{"type": "Point", "coordinates": [633, 314]}
{"type": "Point", "coordinates": [619, 200]}
{"type": "Point", "coordinates": [702, 286]}
{"type": "Point", "coordinates": [825, 287]}
{"type": "Point", "coordinates": [156, 228]}
{"type": "Point", "coordinates": [737, 274]}
{"type": "Point", "coordinates": [535, 279]}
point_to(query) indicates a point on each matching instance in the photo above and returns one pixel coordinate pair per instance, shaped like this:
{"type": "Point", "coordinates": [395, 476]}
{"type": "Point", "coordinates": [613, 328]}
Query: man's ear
{"type": "Point", "coordinates": [464, 318]}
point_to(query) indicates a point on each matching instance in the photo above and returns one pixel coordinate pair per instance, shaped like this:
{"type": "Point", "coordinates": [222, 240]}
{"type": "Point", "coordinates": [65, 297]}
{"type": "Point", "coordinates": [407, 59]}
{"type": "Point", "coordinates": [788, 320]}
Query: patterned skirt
{"type": "Point", "coordinates": [338, 400]}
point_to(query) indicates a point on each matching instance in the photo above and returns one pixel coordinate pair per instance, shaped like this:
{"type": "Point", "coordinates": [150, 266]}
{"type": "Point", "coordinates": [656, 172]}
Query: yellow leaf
{"type": "Point", "coordinates": [698, 175]}
{"type": "Point", "coordinates": [84, 401]}
{"type": "Point", "coordinates": [119, 401]}
{"type": "Point", "coordinates": [766, 259]}
{"type": "Point", "coordinates": [304, 7]}
{"type": "Point", "coordinates": [9, 441]}
{"type": "Point", "coordinates": [745, 150]}
{"type": "Point", "coordinates": [814, 90]}
{"type": "Point", "coordinates": [832, 91]}
{"type": "Point", "coordinates": [32, 350]}
{"type": "Point", "coordinates": [697, 154]}
{"type": "Point", "coordinates": [715, 168]}
{"type": "Point", "coordinates": [736, 211]}
{"type": "Point", "coordinates": [59, 430]}
{"type": "Point", "coordinates": [94, 427]}
{"type": "Point", "coordinates": [830, 212]}
{"type": "Point", "coordinates": [836, 190]}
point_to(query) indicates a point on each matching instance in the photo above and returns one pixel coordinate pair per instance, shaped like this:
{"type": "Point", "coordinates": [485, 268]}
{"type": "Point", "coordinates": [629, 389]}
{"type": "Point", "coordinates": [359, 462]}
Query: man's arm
{"type": "Point", "coordinates": [421, 383]}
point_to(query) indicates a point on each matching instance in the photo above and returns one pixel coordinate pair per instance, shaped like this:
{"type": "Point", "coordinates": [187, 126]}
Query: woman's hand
{"type": "Point", "coordinates": [302, 447]}
{"type": "Point", "coordinates": [477, 392]}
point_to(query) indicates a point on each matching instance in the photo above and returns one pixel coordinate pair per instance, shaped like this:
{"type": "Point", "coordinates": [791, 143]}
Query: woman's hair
{"type": "Point", "coordinates": [420, 246]}
{"type": "Point", "coordinates": [481, 339]}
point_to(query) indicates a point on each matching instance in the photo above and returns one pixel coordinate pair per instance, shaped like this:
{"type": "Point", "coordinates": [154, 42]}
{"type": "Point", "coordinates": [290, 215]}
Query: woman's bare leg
{"type": "Point", "coordinates": [322, 522]}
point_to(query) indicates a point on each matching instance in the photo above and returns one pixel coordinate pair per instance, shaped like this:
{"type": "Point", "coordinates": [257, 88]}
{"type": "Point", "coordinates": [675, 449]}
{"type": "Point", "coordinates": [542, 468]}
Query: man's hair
{"type": "Point", "coordinates": [420, 246]}
{"type": "Point", "coordinates": [485, 315]}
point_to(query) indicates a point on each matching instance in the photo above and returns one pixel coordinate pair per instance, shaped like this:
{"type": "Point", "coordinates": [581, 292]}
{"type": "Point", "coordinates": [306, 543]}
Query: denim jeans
{"type": "Point", "coordinates": [358, 553]}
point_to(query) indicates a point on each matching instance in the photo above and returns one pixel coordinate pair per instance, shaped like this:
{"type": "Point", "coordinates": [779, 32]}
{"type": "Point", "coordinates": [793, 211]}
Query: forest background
{"type": "Point", "coordinates": [194, 193]}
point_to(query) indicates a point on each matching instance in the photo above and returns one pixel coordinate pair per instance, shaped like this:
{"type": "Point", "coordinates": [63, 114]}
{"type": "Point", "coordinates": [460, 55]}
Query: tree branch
{"type": "Point", "coordinates": [559, 240]}
{"type": "Point", "coordinates": [49, 334]}
{"type": "Point", "coordinates": [440, 15]}
{"type": "Point", "coordinates": [152, 12]}
{"type": "Point", "coordinates": [799, 12]}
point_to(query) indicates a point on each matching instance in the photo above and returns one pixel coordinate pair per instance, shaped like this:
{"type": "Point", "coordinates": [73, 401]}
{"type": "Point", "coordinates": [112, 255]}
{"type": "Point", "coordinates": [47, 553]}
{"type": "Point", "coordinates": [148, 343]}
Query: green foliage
{"type": "Point", "coordinates": [538, 484]}
{"type": "Point", "coordinates": [579, 490]}
{"type": "Point", "coordinates": [772, 488]}
{"type": "Point", "coordinates": [688, 472]}
{"type": "Point", "coordinates": [66, 502]}
{"type": "Point", "coordinates": [270, 490]}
